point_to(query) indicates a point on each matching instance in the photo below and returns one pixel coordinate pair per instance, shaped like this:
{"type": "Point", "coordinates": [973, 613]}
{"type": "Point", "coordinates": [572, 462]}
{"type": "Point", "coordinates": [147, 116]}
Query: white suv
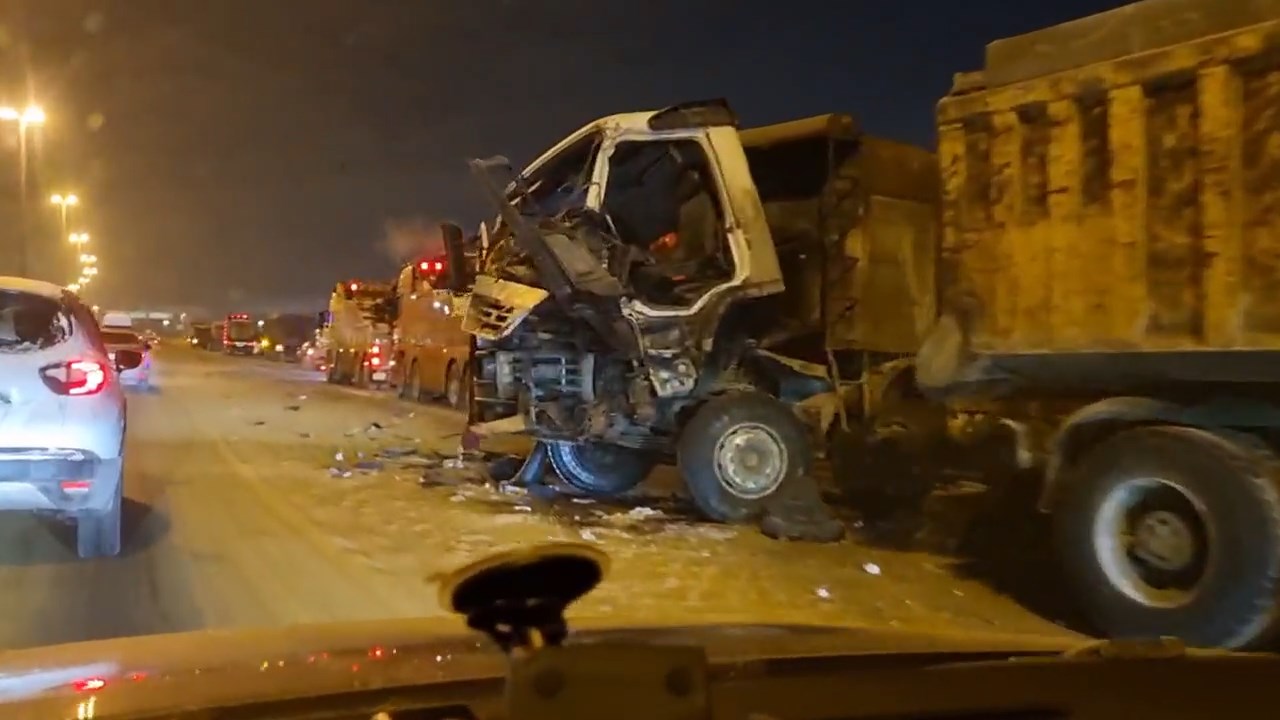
{"type": "Point", "coordinates": [62, 413]}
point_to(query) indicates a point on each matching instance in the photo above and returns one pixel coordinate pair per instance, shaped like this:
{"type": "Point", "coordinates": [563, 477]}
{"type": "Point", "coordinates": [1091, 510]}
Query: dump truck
{"type": "Point", "coordinates": [284, 334]}
{"type": "Point", "coordinates": [1085, 263]}
{"type": "Point", "coordinates": [1110, 270]}
{"type": "Point", "coordinates": [359, 333]}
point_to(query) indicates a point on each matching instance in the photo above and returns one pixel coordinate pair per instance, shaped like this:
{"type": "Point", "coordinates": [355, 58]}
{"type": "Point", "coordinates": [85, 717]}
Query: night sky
{"type": "Point", "coordinates": [249, 152]}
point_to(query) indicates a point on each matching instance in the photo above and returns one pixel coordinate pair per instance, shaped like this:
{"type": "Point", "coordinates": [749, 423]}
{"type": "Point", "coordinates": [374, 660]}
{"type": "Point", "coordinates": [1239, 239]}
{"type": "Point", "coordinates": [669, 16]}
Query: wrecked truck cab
{"type": "Point", "coordinates": [599, 311]}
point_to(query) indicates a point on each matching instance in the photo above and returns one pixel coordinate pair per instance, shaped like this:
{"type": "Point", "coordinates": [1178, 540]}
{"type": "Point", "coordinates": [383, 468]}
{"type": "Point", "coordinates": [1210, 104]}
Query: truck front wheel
{"type": "Point", "coordinates": [599, 469]}
{"type": "Point", "coordinates": [738, 450]}
{"type": "Point", "coordinates": [1173, 531]}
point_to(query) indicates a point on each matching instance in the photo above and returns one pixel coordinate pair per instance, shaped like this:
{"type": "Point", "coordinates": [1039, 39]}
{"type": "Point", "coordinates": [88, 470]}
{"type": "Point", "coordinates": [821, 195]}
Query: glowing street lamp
{"type": "Point", "coordinates": [88, 259]}
{"type": "Point", "coordinates": [31, 116]}
{"type": "Point", "coordinates": [74, 287]}
{"type": "Point", "coordinates": [78, 238]}
{"type": "Point", "coordinates": [64, 203]}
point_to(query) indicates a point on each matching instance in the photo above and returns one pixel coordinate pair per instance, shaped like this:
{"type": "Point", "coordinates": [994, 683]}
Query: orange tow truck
{"type": "Point", "coordinates": [430, 350]}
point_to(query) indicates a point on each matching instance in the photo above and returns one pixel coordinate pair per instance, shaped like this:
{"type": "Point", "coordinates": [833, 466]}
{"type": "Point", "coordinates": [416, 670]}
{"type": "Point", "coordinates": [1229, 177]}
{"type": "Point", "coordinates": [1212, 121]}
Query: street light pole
{"type": "Point", "coordinates": [64, 203]}
{"type": "Point", "coordinates": [32, 116]}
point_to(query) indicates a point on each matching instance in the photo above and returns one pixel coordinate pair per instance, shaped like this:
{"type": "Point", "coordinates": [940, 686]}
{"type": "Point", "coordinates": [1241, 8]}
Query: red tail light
{"type": "Point", "coordinates": [89, 684]}
{"type": "Point", "coordinates": [78, 377]}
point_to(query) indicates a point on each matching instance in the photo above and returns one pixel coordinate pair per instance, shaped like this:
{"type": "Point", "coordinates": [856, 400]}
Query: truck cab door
{"type": "Point", "coordinates": [750, 265]}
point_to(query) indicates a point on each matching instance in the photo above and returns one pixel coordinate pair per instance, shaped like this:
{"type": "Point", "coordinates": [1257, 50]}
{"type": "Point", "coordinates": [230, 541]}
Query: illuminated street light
{"type": "Point", "coordinates": [31, 116]}
{"type": "Point", "coordinates": [73, 287]}
{"type": "Point", "coordinates": [78, 238]}
{"type": "Point", "coordinates": [88, 259]}
{"type": "Point", "coordinates": [64, 202]}
{"type": "Point", "coordinates": [90, 271]}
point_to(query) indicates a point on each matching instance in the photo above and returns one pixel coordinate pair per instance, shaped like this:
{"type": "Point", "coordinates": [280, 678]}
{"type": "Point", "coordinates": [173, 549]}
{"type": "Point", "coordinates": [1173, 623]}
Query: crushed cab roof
{"type": "Point", "coordinates": [9, 283]}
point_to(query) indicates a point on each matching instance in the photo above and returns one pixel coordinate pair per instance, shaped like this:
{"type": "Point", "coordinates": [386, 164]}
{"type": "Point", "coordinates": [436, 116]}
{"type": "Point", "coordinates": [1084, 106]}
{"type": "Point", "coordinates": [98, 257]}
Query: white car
{"type": "Point", "coordinates": [62, 413]}
{"type": "Point", "coordinates": [117, 339]}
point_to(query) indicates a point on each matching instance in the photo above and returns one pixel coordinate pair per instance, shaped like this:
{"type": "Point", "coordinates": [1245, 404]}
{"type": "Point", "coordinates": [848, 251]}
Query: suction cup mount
{"type": "Point", "coordinates": [518, 598]}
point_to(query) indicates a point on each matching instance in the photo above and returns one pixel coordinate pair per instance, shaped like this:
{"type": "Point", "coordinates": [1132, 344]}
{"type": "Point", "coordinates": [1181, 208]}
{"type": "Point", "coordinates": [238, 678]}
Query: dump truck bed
{"type": "Point", "coordinates": [1113, 184]}
{"type": "Point", "coordinates": [854, 217]}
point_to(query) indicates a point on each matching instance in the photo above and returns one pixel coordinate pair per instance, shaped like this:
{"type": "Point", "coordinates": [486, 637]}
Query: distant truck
{"type": "Point", "coordinates": [1088, 265]}
{"type": "Point", "coordinates": [201, 336]}
{"type": "Point", "coordinates": [240, 335]}
{"type": "Point", "coordinates": [430, 350]}
{"type": "Point", "coordinates": [359, 333]}
{"type": "Point", "coordinates": [283, 335]}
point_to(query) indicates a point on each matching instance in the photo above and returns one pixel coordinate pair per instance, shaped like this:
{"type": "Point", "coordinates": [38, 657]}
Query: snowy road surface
{"type": "Point", "coordinates": [237, 515]}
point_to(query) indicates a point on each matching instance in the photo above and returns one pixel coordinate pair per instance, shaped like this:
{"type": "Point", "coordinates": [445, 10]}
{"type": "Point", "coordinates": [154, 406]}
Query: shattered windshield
{"type": "Point", "coordinates": [31, 322]}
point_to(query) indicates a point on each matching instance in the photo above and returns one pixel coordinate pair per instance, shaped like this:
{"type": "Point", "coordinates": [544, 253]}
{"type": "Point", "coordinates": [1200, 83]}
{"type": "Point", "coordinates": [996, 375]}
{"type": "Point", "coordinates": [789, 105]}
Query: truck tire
{"type": "Point", "coordinates": [599, 469]}
{"type": "Point", "coordinates": [738, 450]}
{"type": "Point", "coordinates": [411, 388]}
{"type": "Point", "coordinates": [1173, 531]}
{"type": "Point", "coordinates": [360, 373]}
{"type": "Point", "coordinates": [455, 389]}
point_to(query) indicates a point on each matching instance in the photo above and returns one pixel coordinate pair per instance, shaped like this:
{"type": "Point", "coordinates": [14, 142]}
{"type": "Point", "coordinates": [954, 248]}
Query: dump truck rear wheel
{"type": "Point", "coordinates": [1174, 531]}
{"type": "Point", "coordinates": [738, 450]}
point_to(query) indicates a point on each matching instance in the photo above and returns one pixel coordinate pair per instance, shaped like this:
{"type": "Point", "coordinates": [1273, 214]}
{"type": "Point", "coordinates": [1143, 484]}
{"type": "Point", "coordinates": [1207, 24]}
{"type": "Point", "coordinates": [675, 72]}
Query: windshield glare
{"type": "Point", "coordinates": [946, 320]}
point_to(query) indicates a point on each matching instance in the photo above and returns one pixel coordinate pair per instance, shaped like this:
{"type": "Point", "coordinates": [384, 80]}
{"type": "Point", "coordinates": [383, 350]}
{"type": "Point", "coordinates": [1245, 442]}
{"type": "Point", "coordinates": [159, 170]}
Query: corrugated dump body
{"type": "Point", "coordinates": [1129, 200]}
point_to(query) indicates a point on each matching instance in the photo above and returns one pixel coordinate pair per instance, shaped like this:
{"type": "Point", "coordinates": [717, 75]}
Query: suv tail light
{"type": "Point", "coordinates": [77, 377]}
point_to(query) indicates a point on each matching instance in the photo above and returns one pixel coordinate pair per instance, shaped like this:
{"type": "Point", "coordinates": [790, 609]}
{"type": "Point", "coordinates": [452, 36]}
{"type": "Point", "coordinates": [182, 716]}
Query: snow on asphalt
{"type": "Point", "coordinates": [262, 496]}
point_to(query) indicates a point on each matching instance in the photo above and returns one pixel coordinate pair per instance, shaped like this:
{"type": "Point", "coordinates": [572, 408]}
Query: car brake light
{"type": "Point", "coordinates": [89, 684]}
{"type": "Point", "coordinates": [77, 377]}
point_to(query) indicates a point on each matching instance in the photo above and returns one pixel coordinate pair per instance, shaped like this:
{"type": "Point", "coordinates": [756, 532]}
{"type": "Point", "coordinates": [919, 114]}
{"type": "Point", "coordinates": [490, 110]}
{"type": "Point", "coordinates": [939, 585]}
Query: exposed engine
{"type": "Point", "coordinates": [567, 389]}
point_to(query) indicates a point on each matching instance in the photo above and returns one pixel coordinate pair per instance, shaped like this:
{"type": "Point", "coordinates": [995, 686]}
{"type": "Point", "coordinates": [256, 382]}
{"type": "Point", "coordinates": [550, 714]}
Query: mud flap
{"type": "Point", "coordinates": [798, 512]}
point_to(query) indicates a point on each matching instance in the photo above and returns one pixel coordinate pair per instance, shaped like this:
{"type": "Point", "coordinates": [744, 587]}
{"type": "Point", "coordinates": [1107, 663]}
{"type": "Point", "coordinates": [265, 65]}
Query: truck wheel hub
{"type": "Point", "coordinates": [751, 461]}
{"type": "Point", "coordinates": [1151, 538]}
{"type": "Point", "coordinates": [1164, 540]}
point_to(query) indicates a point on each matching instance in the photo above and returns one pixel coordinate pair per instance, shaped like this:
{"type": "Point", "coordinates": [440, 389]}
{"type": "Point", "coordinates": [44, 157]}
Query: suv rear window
{"type": "Point", "coordinates": [31, 322]}
{"type": "Point", "coordinates": [116, 337]}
